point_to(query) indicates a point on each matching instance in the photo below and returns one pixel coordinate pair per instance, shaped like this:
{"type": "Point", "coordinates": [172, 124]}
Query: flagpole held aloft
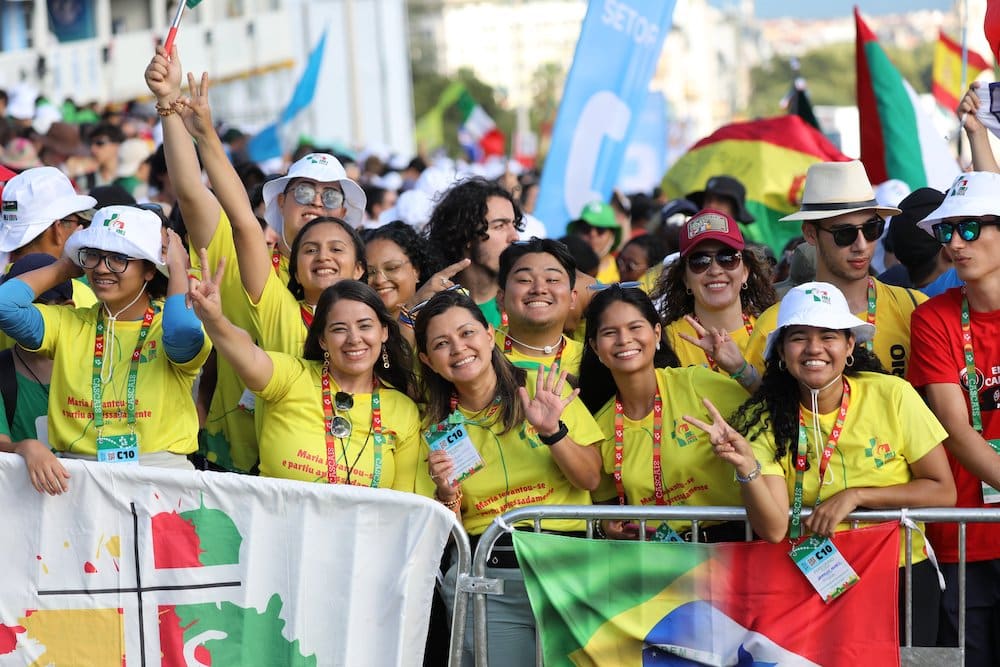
{"type": "Point", "coordinates": [172, 33]}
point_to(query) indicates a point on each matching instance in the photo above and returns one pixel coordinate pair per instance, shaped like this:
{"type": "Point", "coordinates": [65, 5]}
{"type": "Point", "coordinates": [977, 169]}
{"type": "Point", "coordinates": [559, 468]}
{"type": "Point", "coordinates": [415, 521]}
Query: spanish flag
{"type": "Point", "coordinates": [947, 71]}
{"type": "Point", "coordinates": [606, 602]}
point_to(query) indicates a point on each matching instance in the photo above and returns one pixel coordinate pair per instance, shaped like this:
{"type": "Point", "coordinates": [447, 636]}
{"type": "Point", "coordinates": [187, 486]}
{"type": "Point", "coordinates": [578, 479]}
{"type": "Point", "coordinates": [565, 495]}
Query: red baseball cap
{"type": "Point", "coordinates": [5, 175]}
{"type": "Point", "coordinates": [710, 225]}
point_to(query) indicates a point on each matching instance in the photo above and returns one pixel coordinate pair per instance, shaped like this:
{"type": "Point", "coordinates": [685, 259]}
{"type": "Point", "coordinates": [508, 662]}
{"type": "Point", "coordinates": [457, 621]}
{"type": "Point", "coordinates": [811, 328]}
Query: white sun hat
{"type": "Point", "coordinates": [972, 195]}
{"type": "Point", "coordinates": [819, 305]}
{"type": "Point", "coordinates": [836, 188]}
{"type": "Point", "coordinates": [322, 168]}
{"type": "Point", "coordinates": [126, 230]}
{"type": "Point", "coordinates": [32, 201]}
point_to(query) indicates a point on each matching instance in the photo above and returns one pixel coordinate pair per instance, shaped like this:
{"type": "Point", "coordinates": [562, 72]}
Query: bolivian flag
{"type": "Point", "coordinates": [770, 157]}
{"type": "Point", "coordinates": [601, 602]}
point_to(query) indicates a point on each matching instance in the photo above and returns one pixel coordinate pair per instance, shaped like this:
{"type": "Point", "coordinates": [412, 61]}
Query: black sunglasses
{"type": "Point", "coordinates": [341, 427]}
{"type": "Point", "coordinates": [728, 260]}
{"type": "Point", "coordinates": [968, 230]}
{"type": "Point", "coordinates": [845, 235]}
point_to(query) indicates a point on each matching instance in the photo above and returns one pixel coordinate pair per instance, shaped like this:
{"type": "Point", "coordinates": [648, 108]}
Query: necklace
{"type": "Point", "coordinates": [545, 349]}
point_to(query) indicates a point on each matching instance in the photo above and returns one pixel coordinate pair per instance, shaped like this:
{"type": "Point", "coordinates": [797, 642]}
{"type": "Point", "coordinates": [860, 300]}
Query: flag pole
{"type": "Point", "coordinates": [965, 68]}
{"type": "Point", "coordinates": [172, 33]}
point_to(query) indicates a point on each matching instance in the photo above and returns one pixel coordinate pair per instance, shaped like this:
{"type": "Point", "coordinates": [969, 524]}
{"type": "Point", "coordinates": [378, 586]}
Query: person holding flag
{"type": "Point", "coordinates": [832, 432]}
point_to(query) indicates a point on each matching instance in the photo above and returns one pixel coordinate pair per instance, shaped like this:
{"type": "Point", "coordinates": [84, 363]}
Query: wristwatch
{"type": "Point", "coordinates": [560, 433]}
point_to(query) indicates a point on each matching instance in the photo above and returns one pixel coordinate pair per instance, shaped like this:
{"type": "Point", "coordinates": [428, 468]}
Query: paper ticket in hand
{"type": "Point", "coordinates": [463, 453]}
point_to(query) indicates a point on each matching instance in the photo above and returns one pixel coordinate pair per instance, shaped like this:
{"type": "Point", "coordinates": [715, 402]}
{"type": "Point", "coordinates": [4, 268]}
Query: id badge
{"type": "Point", "coordinates": [248, 401]}
{"type": "Point", "coordinates": [991, 496]}
{"type": "Point", "coordinates": [824, 566]}
{"type": "Point", "coordinates": [664, 533]}
{"type": "Point", "coordinates": [118, 449]}
{"type": "Point", "coordinates": [463, 452]}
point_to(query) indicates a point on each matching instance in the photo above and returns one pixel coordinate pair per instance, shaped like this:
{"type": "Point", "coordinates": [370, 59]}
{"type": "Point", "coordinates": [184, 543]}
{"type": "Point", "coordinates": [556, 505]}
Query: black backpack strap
{"type": "Point", "coordinates": [8, 384]}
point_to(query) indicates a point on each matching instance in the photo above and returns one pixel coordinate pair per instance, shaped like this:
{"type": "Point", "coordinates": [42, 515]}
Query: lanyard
{"type": "Point", "coordinates": [657, 440]}
{"type": "Point", "coordinates": [331, 448]}
{"type": "Point", "coordinates": [746, 325]}
{"type": "Point", "coordinates": [504, 320]}
{"type": "Point", "coordinates": [801, 456]}
{"type": "Point", "coordinates": [508, 347]}
{"type": "Point", "coordinates": [307, 315]}
{"type": "Point", "coordinates": [871, 310]}
{"type": "Point", "coordinates": [971, 378]}
{"type": "Point", "coordinates": [133, 371]}
{"type": "Point", "coordinates": [276, 260]}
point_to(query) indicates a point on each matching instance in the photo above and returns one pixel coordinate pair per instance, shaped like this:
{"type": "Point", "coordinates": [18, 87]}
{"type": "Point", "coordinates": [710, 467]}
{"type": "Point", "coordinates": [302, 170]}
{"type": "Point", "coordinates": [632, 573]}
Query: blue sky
{"type": "Point", "coordinates": [832, 8]}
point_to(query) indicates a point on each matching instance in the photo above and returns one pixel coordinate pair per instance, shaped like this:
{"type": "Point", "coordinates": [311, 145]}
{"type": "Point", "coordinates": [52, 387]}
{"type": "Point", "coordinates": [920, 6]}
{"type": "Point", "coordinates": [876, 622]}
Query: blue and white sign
{"type": "Point", "coordinates": [616, 55]}
{"type": "Point", "coordinates": [645, 158]}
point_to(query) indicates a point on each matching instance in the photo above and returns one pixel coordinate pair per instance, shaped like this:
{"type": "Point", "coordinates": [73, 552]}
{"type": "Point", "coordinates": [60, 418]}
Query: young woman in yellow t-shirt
{"type": "Point", "coordinates": [651, 456]}
{"type": "Point", "coordinates": [534, 436]}
{"type": "Point", "coordinates": [338, 413]}
{"type": "Point", "coordinates": [865, 439]}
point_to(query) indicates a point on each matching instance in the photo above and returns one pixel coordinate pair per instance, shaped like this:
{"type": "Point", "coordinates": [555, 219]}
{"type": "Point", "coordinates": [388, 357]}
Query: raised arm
{"type": "Point", "coordinates": [979, 140]}
{"type": "Point", "coordinates": [251, 247]}
{"type": "Point", "coordinates": [200, 207]}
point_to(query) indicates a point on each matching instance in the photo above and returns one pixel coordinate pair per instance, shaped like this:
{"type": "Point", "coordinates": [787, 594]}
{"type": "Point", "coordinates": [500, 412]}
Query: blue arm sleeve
{"type": "Point", "coordinates": [183, 336]}
{"type": "Point", "coordinates": [19, 318]}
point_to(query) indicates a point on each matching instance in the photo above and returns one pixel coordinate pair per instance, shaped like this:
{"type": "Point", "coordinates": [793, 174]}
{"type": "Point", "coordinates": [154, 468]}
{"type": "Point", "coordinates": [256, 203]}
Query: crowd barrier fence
{"type": "Point", "coordinates": [476, 584]}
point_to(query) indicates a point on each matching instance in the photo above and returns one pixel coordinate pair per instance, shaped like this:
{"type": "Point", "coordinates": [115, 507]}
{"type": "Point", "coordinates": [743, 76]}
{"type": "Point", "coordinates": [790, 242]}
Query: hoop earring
{"type": "Point", "coordinates": [781, 365]}
{"type": "Point", "coordinates": [385, 358]}
{"type": "Point", "coordinates": [850, 360]}
{"type": "Point", "coordinates": [688, 290]}
{"type": "Point", "coordinates": [745, 287]}
{"type": "Point", "coordinates": [326, 362]}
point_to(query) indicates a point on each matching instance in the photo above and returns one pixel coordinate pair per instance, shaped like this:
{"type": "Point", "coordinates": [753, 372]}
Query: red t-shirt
{"type": "Point", "coordinates": [936, 357]}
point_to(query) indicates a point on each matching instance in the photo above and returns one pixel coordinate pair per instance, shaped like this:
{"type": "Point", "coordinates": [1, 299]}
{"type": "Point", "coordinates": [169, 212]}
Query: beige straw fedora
{"type": "Point", "coordinates": [836, 188]}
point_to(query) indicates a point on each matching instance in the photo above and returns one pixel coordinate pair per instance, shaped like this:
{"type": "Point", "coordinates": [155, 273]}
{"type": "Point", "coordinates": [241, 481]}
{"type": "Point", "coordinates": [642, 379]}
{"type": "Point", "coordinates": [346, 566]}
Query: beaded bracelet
{"type": "Point", "coordinates": [405, 318]}
{"type": "Point", "coordinates": [751, 476]}
{"type": "Point", "coordinates": [451, 504]}
{"type": "Point", "coordinates": [165, 111]}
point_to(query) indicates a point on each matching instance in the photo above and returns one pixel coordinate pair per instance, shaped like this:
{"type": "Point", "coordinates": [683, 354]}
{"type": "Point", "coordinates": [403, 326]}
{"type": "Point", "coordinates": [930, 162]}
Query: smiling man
{"type": "Point", "coordinates": [538, 289]}
{"type": "Point", "coordinates": [842, 220]}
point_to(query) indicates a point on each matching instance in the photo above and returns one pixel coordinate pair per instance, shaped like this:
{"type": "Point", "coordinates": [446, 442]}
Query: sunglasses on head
{"type": "Point", "coordinates": [727, 259]}
{"type": "Point", "coordinates": [454, 288]}
{"type": "Point", "coordinates": [304, 193]}
{"type": "Point", "coordinates": [968, 230]}
{"type": "Point", "coordinates": [341, 427]}
{"type": "Point", "coordinates": [845, 235]}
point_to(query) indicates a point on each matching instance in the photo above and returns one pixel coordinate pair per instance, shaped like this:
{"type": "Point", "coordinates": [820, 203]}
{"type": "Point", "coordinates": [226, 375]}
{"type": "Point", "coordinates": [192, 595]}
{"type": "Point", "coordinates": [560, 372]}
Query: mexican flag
{"type": "Point", "coordinates": [898, 139]}
{"type": "Point", "coordinates": [478, 133]}
{"type": "Point", "coordinates": [605, 602]}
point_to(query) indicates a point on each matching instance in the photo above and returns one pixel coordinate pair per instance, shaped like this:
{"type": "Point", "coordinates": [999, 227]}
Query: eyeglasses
{"type": "Point", "coordinates": [304, 194]}
{"type": "Point", "coordinates": [968, 230]}
{"type": "Point", "coordinates": [341, 427]}
{"type": "Point", "coordinates": [727, 260]}
{"type": "Point", "coordinates": [90, 259]}
{"type": "Point", "coordinates": [600, 287]}
{"type": "Point", "coordinates": [390, 271]}
{"type": "Point", "coordinates": [630, 265]}
{"type": "Point", "coordinates": [845, 235]}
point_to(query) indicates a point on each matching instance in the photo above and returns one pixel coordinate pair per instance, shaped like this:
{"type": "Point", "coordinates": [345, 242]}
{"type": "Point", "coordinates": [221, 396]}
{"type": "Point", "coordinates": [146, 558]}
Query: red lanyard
{"type": "Point", "coordinates": [746, 325]}
{"type": "Point", "coordinates": [331, 445]}
{"type": "Point", "coordinates": [801, 456]}
{"type": "Point", "coordinates": [657, 440]}
{"type": "Point", "coordinates": [276, 260]}
{"type": "Point", "coordinates": [508, 347]}
{"type": "Point", "coordinates": [307, 315]}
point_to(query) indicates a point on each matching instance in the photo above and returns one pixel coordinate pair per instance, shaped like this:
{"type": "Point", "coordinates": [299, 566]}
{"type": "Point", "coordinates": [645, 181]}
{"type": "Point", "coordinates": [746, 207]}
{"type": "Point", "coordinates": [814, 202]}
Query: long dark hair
{"type": "Point", "coordinates": [677, 301]}
{"type": "Point", "coordinates": [438, 391]}
{"type": "Point", "coordinates": [597, 385]}
{"type": "Point", "coordinates": [399, 375]}
{"type": "Point", "coordinates": [294, 286]}
{"type": "Point", "coordinates": [775, 404]}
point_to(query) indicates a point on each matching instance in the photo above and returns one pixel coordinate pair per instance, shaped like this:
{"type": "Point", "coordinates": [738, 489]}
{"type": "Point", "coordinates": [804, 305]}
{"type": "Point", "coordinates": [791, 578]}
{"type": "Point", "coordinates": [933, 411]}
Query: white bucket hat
{"type": "Point", "coordinates": [127, 230]}
{"type": "Point", "coordinates": [971, 195]}
{"type": "Point", "coordinates": [322, 168]}
{"type": "Point", "coordinates": [836, 188]}
{"type": "Point", "coordinates": [32, 201]}
{"type": "Point", "coordinates": [820, 305]}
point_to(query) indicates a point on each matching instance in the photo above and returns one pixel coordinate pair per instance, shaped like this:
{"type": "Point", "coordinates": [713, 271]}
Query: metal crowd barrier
{"type": "Point", "coordinates": [461, 608]}
{"type": "Point", "coordinates": [478, 585]}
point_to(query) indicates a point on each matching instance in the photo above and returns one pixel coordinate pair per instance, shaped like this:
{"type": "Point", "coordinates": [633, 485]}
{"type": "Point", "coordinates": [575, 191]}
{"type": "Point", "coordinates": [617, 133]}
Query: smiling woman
{"type": "Point", "coordinates": [399, 262]}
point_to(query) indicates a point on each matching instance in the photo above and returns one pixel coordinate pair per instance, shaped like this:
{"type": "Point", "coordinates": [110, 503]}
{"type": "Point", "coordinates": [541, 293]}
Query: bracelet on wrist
{"type": "Point", "coordinates": [452, 504]}
{"type": "Point", "coordinates": [751, 476]}
{"type": "Point", "coordinates": [739, 373]}
{"type": "Point", "coordinates": [166, 109]}
{"type": "Point", "coordinates": [599, 531]}
{"type": "Point", "coordinates": [553, 438]}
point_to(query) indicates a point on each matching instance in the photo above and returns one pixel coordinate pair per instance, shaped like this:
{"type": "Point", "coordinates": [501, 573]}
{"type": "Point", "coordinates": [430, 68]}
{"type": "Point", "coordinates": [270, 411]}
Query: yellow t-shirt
{"type": "Point", "coordinates": [572, 353]}
{"type": "Point", "coordinates": [292, 436]}
{"type": "Point", "coordinates": [229, 438]}
{"type": "Point", "coordinates": [518, 469]}
{"type": "Point", "coordinates": [893, 306]}
{"type": "Point", "coordinates": [276, 320]}
{"type": "Point", "coordinates": [887, 427]}
{"type": "Point", "coordinates": [166, 419]}
{"type": "Point", "coordinates": [647, 283]}
{"type": "Point", "coordinates": [692, 473]}
{"type": "Point", "coordinates": [607, 271]}
{"type": "Point", "coordinates": [692, 355]}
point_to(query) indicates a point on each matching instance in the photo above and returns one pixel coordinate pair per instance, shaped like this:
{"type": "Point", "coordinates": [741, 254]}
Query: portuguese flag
{"type": "Point", "coordinates": [603, 602]}
{"type": "Point", "coordinates": [770, 157]}
{"type": "Point", "coordinates": [898, 140]}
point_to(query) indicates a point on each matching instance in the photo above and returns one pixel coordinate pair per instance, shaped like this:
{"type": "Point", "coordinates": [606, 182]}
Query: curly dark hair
{"type": "Point", "coordinates": [399, 375]}
{"type": "Point", "coordinates": [677, 302]}
{"type": "Point", "coordinates": [294, 286]}
{"type": "Point", "coordinates": [597, 385]}
{"type": "Point", "coordinates": [775, 404]}
{"type": "Point", "coordinates": [459, 219]}
{"type": "Point", "coordinates": [423, 257]}
{"type": "Point", "coordinates": [438, 392]}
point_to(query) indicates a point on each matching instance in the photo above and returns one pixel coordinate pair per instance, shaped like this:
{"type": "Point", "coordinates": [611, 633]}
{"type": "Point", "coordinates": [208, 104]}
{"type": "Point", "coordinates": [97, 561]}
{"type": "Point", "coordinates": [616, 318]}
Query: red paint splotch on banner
{"type": "Point", "coordinates": [175, 542]}
{"type": "Point", "coordinates": [89, 568]}
{"type": "Point", "coordinates": [8, 638]}
{"type": "Point", "coordinates": [202, 655]}
{"type": "Point", "coordinates": [172, 639]}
